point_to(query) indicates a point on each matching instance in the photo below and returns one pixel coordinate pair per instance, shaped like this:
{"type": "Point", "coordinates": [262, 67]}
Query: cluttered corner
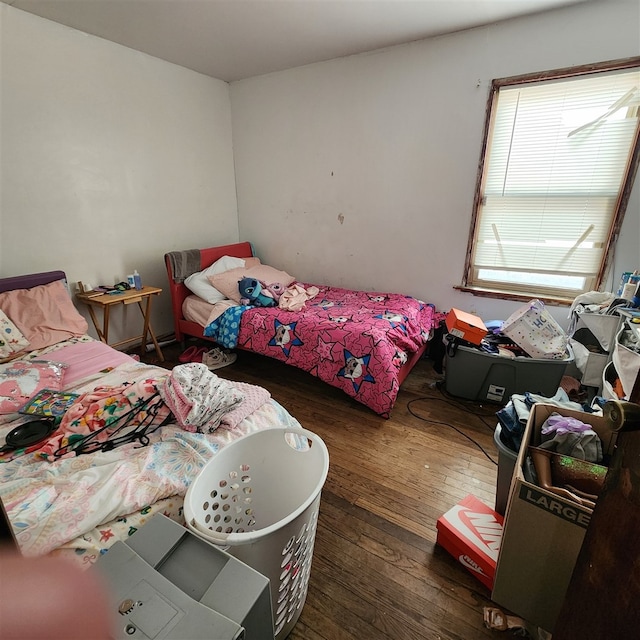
{"type": "Point", "coordinates": [552, 389]}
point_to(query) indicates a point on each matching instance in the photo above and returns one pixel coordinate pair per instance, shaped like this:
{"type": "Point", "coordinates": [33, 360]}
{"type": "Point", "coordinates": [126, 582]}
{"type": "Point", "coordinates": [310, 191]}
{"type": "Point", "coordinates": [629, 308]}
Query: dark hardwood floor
{"type": "Point", "coordinates": [377, 572]}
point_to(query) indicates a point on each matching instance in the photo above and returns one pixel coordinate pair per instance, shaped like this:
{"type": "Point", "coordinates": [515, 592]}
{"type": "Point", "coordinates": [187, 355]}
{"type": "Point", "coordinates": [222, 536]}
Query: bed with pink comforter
{"type": "Point", "coordinates": [364, 343]}
{"type": "Point", "coordinates": [354, 340]}
{"type": "Point", "coordinates": [77, 503]}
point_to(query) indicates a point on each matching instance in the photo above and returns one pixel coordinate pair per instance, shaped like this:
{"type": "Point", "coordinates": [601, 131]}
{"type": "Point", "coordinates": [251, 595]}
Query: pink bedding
{"type": "Point", "coordinates": [77, 506]}
{"type": "Point", "coordinates": [52, 504]}
{"type": "Point", "coordinates": [354, 340]}
{"type": "Point", "coordinates": [196, 309]}
{"type": "Point", "coordinates": [84, 359]}
{"type": "Point", "coordinates": [44, 314]}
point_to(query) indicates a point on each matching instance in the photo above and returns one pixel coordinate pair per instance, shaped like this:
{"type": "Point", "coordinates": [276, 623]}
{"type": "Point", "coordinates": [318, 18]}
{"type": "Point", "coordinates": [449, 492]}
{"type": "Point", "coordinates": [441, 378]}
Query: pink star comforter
{"type": "Point", "coordinates": [354, 340]}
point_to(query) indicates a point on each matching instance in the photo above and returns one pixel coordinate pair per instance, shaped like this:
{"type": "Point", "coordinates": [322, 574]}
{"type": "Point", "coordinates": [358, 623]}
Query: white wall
{"type": "Point", "coordinates": [356, 172]}
{"type": "Point", "coordinates": [109, 159]}
{"type": "Point", "coordinates": [361, 171]}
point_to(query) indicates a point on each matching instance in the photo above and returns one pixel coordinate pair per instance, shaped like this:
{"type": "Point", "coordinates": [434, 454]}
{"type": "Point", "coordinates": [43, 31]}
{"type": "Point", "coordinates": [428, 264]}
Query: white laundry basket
{"type": "Point", "coordinates": [259, 498]}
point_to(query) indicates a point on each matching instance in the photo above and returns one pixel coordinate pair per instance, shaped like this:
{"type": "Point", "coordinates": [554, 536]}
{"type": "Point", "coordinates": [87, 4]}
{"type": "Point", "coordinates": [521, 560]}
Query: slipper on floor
{"type": "Point", "coordinates": [216, 358]}
{"type": "Point", "coordinates": [188, 353]}
{"type": "Point", "coordinates": [199, 354]}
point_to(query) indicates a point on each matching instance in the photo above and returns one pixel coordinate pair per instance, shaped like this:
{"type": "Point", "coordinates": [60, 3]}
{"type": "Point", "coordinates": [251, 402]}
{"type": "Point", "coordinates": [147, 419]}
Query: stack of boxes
{"type": "Point", "coordinates": [526, 560]}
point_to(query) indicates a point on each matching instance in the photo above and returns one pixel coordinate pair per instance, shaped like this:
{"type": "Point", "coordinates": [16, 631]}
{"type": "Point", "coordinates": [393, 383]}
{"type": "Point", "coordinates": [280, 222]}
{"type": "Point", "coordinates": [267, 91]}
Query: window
{"type": "Point", "coordinates": [560, 155]}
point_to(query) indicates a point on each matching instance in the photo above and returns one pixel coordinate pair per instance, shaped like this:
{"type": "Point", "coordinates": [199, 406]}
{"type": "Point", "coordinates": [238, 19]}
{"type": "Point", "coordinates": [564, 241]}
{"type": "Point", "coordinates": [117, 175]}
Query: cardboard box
{"type": "Point", "coordinates": [465, 326]}
{"type": "Point", "coordinates": [542, 533]}
{"type": "Point", "coordinates": [471, 532]}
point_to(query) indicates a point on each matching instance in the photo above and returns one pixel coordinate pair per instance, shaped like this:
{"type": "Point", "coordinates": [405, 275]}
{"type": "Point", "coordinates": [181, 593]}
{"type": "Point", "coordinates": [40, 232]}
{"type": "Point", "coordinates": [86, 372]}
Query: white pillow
{"type": "Point", "coordinates": [198, 283]}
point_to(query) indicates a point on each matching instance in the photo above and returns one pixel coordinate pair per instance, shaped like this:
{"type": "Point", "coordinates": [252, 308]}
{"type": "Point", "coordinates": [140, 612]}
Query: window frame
{"type": "Point", "coordinates": [621, 205]}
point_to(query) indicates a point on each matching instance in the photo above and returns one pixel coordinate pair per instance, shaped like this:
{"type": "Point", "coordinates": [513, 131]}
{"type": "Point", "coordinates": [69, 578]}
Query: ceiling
{"type": "Point", "coordinates": [236, 39]}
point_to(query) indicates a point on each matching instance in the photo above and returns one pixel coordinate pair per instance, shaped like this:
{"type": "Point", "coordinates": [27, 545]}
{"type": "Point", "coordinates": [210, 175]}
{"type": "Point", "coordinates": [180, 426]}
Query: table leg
{"type": "Point", "coordinates": [105, 325]}
{"type": "Point", "coordinates": [146, 314]}
{"type": "Point", "coordinates": [95, 324]}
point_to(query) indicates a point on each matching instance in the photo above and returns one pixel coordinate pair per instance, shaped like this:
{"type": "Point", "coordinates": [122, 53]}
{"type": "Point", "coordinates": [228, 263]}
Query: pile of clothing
{"type": "Point", "coordinates": [110, 416]}
{"type": "Point", "coordinates": [514, 415]}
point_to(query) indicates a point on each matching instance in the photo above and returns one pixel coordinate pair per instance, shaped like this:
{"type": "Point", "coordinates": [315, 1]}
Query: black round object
{"type": "Point", "coordinates": [28, 433]}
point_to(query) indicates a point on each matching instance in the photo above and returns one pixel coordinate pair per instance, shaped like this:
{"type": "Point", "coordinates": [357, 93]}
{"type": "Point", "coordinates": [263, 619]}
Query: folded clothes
{"type": "Point", "coordinates": [254, 398]}
{"type": "Point", "coordinates": [198, 398]}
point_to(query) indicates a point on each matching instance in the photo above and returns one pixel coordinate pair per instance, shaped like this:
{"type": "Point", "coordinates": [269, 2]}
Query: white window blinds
{"type": "Point", "coordinates": [557, 155]}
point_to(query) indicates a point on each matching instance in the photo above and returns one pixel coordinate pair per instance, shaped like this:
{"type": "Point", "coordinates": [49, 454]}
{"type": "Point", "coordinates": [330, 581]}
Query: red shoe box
{"type": "Point", "coordinates": [465, 326]}
{"type": "Point", "coordinates": [471, 533]}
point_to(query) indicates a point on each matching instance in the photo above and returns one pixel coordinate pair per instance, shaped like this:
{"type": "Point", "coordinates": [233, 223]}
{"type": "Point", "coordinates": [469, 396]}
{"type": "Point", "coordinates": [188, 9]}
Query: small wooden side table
{"type": "Point", "coordinates": [107, 300]}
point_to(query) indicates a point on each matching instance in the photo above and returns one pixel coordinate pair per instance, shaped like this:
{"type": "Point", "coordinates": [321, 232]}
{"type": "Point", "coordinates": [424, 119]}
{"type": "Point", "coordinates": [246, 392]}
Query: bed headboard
{"type": "Point", "coordinates": [179, 291]}
{"type": "Point", "coordinates": [30, 280]}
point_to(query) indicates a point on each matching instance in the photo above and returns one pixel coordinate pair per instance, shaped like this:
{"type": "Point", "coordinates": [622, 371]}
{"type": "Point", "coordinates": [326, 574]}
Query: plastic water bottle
{"type": "Point", "coordinates": [137, 280]}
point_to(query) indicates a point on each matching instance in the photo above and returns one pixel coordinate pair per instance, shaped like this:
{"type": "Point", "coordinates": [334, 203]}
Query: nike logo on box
{"type": "Point", "coordinates": [470, 564]}
{"type": "Point", "coordinates": [481, 529]}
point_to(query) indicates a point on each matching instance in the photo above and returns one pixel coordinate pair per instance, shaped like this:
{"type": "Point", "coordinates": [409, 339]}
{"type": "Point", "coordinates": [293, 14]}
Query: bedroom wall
{"type": "Point", "coordinates": [361, 171]}
{"type": "Point", "coordinates": [109, 159]}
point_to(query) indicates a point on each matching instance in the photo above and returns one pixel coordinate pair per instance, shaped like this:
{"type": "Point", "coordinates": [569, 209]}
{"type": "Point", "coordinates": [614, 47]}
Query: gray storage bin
{"type": "Point", "coordinates": [506, 464]}
{"type": "Point", "coordinates": [167, 582]}
{"type": "Point", "coordinates": [477, 375]}
{"type": "Point", "coordinates": [593, 341]}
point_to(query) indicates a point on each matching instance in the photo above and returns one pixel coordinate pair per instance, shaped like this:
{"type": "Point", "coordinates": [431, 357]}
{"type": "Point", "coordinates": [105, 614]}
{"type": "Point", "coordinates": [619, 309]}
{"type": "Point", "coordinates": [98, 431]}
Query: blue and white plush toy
{"type": "Point", "coordinates": [253, 291]}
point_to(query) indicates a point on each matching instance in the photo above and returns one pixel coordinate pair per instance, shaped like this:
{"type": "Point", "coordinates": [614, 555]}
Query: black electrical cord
{"type": "Point", "coordinates": [448, 424]}
{"type": "Point", "coordinates": [457, 403]}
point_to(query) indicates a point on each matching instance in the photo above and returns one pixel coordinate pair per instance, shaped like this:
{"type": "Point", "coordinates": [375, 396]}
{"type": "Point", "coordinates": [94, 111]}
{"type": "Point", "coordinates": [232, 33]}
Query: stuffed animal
{"type": "Point", "coordinates": [276, 290]}
{"type": "Point", "coordinates": [253, 291]}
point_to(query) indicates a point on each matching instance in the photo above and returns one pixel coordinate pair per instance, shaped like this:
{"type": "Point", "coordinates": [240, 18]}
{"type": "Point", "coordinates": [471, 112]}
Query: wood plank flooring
{"type": "Point", "coordinates": [377, 572]}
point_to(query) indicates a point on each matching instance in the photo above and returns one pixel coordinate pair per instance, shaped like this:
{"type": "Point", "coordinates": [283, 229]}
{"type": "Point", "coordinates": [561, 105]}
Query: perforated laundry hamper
{"type": "Point", "coordinates": [259, 499]}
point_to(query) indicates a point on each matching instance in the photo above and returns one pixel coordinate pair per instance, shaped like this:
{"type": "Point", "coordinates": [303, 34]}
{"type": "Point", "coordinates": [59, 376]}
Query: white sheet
{"type": "Point", "coordinates": [52, 503]}
{"type": "Point", "coordinates": [196, 309]}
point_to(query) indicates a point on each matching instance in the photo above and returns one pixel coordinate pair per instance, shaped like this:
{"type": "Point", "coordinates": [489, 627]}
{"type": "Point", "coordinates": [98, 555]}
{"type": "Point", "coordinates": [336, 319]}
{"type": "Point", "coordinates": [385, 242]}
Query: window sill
{"type": "Point", "coordinates": [514, 295]}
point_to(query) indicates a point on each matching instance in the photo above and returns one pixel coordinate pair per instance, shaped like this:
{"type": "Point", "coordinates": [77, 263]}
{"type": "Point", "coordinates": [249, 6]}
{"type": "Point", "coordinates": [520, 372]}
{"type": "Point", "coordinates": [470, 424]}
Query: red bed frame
{"type": "Point", "coordinates": [208, 256]}
{"type": "Point", "coordinates": [179, 291]}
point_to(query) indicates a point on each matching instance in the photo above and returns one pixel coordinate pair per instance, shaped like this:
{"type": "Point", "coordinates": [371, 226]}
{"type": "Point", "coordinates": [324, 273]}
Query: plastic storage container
{"type": "Point", "coordinates": [609, 377]}
{"type": "Point", "coordinates": [592, 342]}
{"type": "Point", "coordinates": [625, 357]}
{"type": "Point", "coordinates": [506, 464]}
{"type": "Point", "coordinates": [476, 375]}
{"type": "Point", "coordinates": [259, 498]}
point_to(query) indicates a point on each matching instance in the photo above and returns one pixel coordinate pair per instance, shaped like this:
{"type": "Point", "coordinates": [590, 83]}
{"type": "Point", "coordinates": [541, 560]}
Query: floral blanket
{"type": "Point", "coordinates": [62, 503]}
{"type": "Point", "coordinates": [354, 340]}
